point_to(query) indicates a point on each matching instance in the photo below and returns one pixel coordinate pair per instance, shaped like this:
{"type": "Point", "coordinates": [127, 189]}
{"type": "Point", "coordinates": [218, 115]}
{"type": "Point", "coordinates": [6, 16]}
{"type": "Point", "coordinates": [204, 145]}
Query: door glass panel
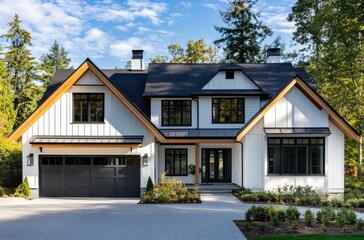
{"type": "Point", "coordinates": [221, 164]}
{"type": "Point", "coordinates": [212, 164]}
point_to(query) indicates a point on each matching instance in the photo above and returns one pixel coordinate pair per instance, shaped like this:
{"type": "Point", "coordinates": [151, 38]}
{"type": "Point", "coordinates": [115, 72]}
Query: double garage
{"type": "Point", "coordinates": [89, 176]}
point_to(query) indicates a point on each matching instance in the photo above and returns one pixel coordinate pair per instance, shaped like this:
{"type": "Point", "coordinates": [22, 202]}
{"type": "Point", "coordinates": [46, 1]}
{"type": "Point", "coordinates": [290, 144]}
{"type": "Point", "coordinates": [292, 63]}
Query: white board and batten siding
{"type": "Point", "coordinates": [156, 112]}
{"type": "Point", "coordinates": [240, 81]}
{"type": "Point", "coordinates": [118, 121]}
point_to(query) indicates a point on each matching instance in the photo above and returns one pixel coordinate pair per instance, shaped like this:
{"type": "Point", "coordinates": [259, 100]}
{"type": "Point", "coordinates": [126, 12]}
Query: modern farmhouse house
{"type": "Point", "coordinates": [104, 132]}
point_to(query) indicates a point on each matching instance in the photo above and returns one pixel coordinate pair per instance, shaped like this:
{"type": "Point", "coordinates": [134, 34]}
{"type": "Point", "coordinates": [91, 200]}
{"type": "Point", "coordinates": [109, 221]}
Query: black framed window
{"type": "Point", "coordinates": [296, 156]}
{"type": "Point", "coordinates": [176, 162]}
{"type": "Point", "coordinates": [88, 107]}
{"type": "Point", "coordinates": [176, 112]}
{"type": "Point", "coordinates": [228, 110]}
{"type": "Point", "coordinates": [229, 74]}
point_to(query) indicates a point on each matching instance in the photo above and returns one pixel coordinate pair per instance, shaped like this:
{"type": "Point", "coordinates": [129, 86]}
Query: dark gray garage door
{"type": "Point", "coordinates": [95, 176]}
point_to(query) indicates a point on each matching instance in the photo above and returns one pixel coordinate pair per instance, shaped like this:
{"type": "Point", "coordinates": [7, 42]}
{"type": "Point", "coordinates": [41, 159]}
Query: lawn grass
{"type": "Point", "coordinates": [318, 236]}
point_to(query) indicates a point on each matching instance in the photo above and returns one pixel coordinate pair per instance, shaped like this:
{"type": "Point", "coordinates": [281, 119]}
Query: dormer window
{"type": "Point", "coordinates": [88, 107]}
{"type": "Point", "coordinates": [229, 74]}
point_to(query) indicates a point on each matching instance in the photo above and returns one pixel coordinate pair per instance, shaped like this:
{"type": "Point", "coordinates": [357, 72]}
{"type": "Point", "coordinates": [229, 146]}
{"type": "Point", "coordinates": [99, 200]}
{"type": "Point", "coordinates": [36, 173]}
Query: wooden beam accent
{"type": "Point", "coordinates": [261, 114]}
{"type": "Point", "coordinates": [49, 102]}
{"type": "Point", "coordinates": [68, 145]}
{"type": "Point", "coordinates": [197, 163]}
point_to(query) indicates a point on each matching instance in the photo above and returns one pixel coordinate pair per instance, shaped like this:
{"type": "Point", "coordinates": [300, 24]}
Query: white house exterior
{"type": "Point", "coordinates": [105, 132]}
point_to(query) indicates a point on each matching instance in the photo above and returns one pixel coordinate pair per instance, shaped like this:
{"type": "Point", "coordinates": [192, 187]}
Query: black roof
{"type": "Point", "coordinates": [166, 79]}
{"type": "Point", "coordinates": [186, 80]}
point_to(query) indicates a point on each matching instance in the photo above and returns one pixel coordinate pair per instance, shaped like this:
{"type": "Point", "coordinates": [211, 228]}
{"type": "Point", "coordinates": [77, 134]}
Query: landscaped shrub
{"type": "Point", "coordinates": [23, 190]}
{"type": "Point", "coordinates": [360, 224]}
{"type": "Point", "coordinates": [2, 192]}
{"type": "Point", "coordinates": [309, 218]}
{"type": "Point", "coordinates": [277, 215]}
{"type": "Point", "coordinates": [257, 213]}
{"type": "Point", "coordinates": [171, 190]}
{"type": "Point", "coordinates": [292, 213]}
{"type": "Point", "coordinates": [150, 185]}
{"type": "Point", "coordinates": [325, 215]}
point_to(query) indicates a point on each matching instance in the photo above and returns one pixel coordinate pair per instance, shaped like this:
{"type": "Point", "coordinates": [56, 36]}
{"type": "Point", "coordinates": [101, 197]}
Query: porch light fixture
{"type": "Point", "coordinates": [30, 159]}
{"type": "Point", "coordinates": [145, 159]}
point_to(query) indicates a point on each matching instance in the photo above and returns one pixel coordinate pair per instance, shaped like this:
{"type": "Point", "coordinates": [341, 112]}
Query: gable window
{"type": "Point", "coordinates": [176, 162]}
{"type": "Point", "coordinates": [296, 156]}
{"type": "Point", "coordinates": [228, 110]}
{"type": "Point", "coordinates": [88, 107]}
{"type": "Point", "coordinates": [176, 113]}
{"type": "Point", "coordinates": [229, 74]}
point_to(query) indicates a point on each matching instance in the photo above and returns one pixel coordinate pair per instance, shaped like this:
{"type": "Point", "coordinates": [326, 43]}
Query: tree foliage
{"type": "Point", "coordinates": [21, 69]}
{"type": "Point", "coordinates": [332, 34]}
{"type": "Point", "coordinates": [242, 37]}
{"type": "Point", "coordinates": [195, 52]}
{"type": "Point", "coordinates": [57, 58]}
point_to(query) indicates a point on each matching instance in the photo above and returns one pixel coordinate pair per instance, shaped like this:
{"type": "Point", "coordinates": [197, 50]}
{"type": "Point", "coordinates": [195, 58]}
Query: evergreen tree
{"type": "Point", "coordinates": [242, 37]}
{"type": "Point", "coordinates": [7, 112]}
{"type": "Point", "coordinates": [56, 59]}
{"type": "Point", "coordinates": [21, 69]}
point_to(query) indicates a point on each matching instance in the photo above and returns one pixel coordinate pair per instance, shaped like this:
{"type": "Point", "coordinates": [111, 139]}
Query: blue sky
{"type": "Point", "coordinates": [107, 30]}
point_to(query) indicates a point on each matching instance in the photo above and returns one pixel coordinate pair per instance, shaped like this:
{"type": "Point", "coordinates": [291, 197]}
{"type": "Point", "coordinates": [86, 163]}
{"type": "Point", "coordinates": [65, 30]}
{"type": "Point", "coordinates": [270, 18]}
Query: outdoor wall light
{"type": "Point", "coordinates": [30, 159]}
{"type": "Point", "coordinates": [145, 159]}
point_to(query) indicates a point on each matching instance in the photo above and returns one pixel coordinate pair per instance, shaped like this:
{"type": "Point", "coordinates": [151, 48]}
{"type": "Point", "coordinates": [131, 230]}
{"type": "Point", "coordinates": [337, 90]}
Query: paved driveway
{"type": "Point", "coordinates": [108, 218]}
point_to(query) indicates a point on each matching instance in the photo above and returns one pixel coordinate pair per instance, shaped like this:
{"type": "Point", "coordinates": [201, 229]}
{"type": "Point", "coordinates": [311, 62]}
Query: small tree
{"type": "Point", "coordinates": [150, 185]}
{"type": "Point", "coordinates": [23, 190]}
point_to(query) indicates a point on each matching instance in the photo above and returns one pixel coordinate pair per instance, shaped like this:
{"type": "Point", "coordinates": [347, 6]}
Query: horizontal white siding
{"type": "Point", "coordinates": [57, 120]}
{"type": "Point", "coordinates": [295, 110]}
{"type": "Point", "coordinates": [156, 112]}
{"type": "Point", "coordinates": [252, 106]}
{"type": "Point", "coordinates": [240, 81]}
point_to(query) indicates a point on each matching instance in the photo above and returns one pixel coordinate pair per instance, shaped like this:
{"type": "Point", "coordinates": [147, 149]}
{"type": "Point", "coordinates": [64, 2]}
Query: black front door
{"type": "Point", "coordinates": [216, 165]}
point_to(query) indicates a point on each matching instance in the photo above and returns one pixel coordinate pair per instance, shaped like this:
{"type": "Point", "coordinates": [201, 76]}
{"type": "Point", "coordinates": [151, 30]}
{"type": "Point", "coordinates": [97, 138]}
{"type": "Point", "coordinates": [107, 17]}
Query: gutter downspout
{"type": "Point", "coordinates": [198, 112]}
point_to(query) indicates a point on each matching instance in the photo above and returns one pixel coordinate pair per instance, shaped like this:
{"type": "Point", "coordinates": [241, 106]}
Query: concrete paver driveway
{"type": "Point", "coordinates": [109, 218]}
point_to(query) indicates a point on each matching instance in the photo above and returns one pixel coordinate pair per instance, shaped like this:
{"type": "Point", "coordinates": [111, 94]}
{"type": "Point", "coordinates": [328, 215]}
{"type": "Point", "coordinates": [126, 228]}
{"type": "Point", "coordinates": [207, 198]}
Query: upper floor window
{"type": "Point", "coordinates": [228, 110]}
{"type": "Point", "coordinates": [176, 113]}
{"type": "Point", "coordinates": [296, 156]}
{"type": "Point", "coordinates": [88, 107]}
{"type": "Point", "coordinates": [229, 74]}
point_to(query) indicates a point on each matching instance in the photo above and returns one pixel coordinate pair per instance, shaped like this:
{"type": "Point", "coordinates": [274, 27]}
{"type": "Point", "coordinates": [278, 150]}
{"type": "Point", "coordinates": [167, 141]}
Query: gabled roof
{"type": "Point", "coordinates": [59, 87]}
{"type": "Point", "coordinates": [311, 94]}
{"type": "Point", "coordinates": [166, 79]}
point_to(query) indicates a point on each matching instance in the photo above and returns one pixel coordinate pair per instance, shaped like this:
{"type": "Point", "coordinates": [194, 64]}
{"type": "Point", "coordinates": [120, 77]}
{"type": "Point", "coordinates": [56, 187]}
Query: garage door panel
{"type": "Point", "coordinates": [52, 171]}
{"type": "Point", "coordinates": [52, 181]}
{"type": "Point", "coordinates": [77, 182]}
{"type": "Point", "coordinates": [84, 176]}
{"type": "Point", "coordinates": [77, 171]}
{"type": "Point", "coordinates": [106, 171]}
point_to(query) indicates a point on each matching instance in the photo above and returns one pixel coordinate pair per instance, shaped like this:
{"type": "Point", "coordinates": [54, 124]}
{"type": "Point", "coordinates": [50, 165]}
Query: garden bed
{"type": "Point", "coordinates": [267, 229]}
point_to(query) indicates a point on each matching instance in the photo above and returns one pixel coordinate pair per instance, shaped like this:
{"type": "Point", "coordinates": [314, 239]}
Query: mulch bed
{"type": "Point", "coordinates": [252, 230]}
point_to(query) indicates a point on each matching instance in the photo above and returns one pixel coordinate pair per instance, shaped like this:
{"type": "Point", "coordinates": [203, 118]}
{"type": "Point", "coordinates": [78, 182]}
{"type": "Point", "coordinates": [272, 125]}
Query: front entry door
{"type": "Point", "coordinates": [216, 165]}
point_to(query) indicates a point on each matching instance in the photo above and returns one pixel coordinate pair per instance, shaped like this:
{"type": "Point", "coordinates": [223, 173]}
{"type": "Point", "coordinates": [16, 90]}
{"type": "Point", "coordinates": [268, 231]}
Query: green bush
{"type": "Point", "coordinates": [309, 218]}
{"type": "Point", "coordinates": [341, 218]}
{"type": "Point", "coordinates": [150, 185]}
{"type": "Point", "coordinates": [325, 215]}
{"type": "Point", "coordinates": [2, 192]}
{"type": "Point", "coordinates": [336, 202]}
{"type": "Point", "coordinates": [170, 190]}
{"type": "Point", "coordinates": [23, 190]}
{"type": "Point", "coordinates": [277, 215]}
{"type": "Point", "coordinates": [257, 213]}
{"type": "Point", "coordinates": [359, 224]}
{"type": "Point", "coordinates": [293, 213]}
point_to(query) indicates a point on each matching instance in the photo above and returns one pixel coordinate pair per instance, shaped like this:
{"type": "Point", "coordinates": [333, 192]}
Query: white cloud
{"type": "Point", "coordinates": [186, 4]}
{"type": "Point", "coordinates": [122, 49]}
{"type": "Point", "coordinates": [211, 5]}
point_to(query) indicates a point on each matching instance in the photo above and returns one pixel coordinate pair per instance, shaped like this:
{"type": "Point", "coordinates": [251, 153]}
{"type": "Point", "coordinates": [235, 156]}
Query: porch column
{"type": "Point", "coordinates": [197, 163]}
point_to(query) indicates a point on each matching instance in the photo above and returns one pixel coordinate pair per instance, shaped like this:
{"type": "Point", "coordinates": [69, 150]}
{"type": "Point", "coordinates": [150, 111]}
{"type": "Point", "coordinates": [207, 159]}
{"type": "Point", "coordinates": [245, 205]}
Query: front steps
{"type": "Point", "coordinates": [214, 187]}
